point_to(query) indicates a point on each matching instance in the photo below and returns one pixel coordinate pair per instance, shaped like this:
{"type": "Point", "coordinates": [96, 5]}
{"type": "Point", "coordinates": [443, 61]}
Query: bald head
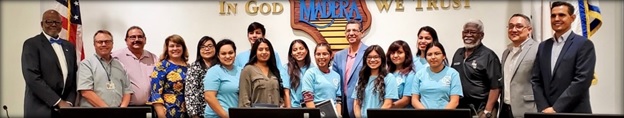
{"type": "Point", "coordinates": [51, 22]}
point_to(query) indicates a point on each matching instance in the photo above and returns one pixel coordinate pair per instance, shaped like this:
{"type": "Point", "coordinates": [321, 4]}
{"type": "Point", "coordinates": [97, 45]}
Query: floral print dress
{"type": "Point", "coordinates": [167, 88]}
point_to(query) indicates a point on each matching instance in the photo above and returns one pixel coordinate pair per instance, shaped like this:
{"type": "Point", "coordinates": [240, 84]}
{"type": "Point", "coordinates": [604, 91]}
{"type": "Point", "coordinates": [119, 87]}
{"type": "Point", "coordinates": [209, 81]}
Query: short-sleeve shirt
{"type": "Point", "coordinates": [139, 70]}
{"type": "Point", "coordinates": [296, 95]}
{"type": "Point", "coordinates": [94, 74]}
{"type": "Point", "coordinates": [435, 89]}
{"type": "Point", "coordinates": [325, 86]}
{"type": "Point", "coordinates": [479, 73]}
{"type": "Point", "coordinates": [225, 83]}
{"type": "Point", "coordinates": [420, 63]}
{"type": "Point", "coordinates": [404, 82]}
{"type": "Point", "coordinates": [371, 98]}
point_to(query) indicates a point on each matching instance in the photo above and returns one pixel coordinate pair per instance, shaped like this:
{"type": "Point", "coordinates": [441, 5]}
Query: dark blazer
{"type": "Point", "coordinates": [44, 78]}
{"type": "Point", "coordinates": [566, 89]}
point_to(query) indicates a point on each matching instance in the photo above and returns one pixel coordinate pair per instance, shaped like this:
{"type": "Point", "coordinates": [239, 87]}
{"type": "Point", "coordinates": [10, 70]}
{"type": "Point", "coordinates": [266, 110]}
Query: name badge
{"type": "Point", "coordinates": [456, 63]}
{"type": "Point", "coordinates": [110, 85]}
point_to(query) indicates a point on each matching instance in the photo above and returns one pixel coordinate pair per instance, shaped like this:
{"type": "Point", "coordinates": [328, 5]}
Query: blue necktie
{"type": "Point", "coordinates": [53, 40]}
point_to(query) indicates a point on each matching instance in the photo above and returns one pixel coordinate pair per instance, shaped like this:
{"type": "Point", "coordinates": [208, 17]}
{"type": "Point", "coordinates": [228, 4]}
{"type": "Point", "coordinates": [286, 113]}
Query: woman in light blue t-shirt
{"type": "Point", "coordinates": [400, 64]}
{"type": "Point", "coordinates": [437, 86]}
{"type": "Point", "coordinates": [221, 81]}
{"type": "Point", "coordinates": [298, 63]}
{"type": "Point", "coordinates": [426, 35]}
{"type": "Point", "coordinates": [320, 83]}
{"type": "Point", "coordinates": [376, 88]}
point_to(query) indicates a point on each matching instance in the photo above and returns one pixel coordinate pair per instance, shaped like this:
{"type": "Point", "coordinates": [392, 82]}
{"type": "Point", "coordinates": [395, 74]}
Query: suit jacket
{"type": "Point", "coordinates": [44, 78]}
{"type": "Point", "coordinates": [566, 89]}
{"type": "Point", "coordinates": [521, 93]}
{"type": "Point", "coordinates": [339, 65]}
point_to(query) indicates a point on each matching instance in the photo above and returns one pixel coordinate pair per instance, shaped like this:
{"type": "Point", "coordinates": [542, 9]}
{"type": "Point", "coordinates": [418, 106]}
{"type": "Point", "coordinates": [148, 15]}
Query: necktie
{"type": "Point", "coordinates": [53, 40]}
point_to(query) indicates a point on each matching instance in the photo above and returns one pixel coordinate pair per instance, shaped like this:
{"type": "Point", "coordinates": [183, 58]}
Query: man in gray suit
{"type": "Point", "coordinates": [517, 67]}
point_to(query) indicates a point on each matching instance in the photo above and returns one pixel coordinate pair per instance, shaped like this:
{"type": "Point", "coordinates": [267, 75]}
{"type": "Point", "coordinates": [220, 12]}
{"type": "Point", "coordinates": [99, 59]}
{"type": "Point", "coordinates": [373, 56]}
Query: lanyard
{"type": "Point", "coordinates": [110, 66]}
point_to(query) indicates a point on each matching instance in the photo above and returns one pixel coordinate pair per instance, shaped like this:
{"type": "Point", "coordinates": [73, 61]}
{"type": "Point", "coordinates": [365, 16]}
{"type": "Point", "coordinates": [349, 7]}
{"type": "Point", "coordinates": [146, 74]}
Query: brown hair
{"type": "Point", "coordinates": [103, 32]}
{"type": "Point", "coordinates": [134, 27]}
{"type": "Point", "coordinates": [178, 40]}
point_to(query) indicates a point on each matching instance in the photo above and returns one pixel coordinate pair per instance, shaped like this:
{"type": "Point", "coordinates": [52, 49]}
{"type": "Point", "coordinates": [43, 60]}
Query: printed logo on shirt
{"type": "Point", "coordinates": [336, 82]}
{"type": "Point", "coordinates": [446, 81]}
{"type": "Point", "coordinates": [399, 80]}
{"type": "Point", "coordinates": [474, 64]}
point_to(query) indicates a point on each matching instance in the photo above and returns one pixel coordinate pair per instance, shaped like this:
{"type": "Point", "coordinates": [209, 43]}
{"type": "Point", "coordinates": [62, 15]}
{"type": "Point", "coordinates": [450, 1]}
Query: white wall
{"type": "Point", "coordinates": [192, 20]}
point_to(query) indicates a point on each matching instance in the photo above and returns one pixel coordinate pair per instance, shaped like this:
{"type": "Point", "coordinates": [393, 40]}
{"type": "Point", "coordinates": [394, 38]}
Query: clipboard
{"type": "Point", "coordinates": [328, 109]}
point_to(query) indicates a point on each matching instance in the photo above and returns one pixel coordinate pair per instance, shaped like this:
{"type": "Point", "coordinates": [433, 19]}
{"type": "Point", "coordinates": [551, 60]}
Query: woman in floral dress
{"type": "Point", "coordinates": [167, 85]}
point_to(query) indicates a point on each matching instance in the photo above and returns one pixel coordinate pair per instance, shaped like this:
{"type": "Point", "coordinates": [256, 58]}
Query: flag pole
{"type": "Point", "coordinates": [68, 19]}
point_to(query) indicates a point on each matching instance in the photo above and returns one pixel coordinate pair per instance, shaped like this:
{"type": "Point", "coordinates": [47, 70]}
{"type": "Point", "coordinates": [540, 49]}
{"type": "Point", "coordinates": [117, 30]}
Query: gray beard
{"type": "Point", "coordinates": [470, 46]}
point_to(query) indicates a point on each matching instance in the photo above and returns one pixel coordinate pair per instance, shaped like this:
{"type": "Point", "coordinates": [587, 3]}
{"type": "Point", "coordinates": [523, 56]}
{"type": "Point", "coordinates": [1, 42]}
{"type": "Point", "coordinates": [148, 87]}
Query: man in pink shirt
{"type": "Point", "coordinates": [348, 62]}
{"type": "Point", "coordinates": [139, 64]}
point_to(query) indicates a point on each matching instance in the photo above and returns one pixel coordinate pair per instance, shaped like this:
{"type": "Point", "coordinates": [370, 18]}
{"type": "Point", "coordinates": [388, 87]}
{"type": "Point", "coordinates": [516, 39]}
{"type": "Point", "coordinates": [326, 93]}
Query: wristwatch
{"type": "Point", "coordinates": [488, 114]}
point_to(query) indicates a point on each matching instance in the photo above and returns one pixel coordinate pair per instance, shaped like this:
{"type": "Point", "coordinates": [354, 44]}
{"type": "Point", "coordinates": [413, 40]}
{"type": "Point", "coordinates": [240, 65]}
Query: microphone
{"type": "Point", "coordinates": [6, 109]}
{"type": "Point", "coordinates": [473, 108]}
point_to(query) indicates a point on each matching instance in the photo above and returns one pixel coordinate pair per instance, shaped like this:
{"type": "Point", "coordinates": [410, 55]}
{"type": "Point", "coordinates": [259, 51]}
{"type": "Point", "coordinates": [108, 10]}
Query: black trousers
{"type": "Point", "coordinates": [505, 111]}
{"type": "Point", "coordinates": [345, 112]}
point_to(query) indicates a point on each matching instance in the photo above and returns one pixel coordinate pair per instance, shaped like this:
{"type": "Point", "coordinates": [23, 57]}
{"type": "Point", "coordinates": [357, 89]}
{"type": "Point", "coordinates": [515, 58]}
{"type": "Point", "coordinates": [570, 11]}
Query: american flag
{"type": "Point", "coordinates": [72, 22]}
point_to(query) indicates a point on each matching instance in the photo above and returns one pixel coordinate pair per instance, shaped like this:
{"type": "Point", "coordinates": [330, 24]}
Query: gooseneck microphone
{"type": "Point", "coordinates": [6, 109]}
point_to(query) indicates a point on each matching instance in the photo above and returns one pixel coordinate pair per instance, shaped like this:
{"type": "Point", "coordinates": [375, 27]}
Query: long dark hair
{"type": "Point", "coordinates": [222, 43]}
{"type": "Point", "coordinates": [432, 32]}
{"type": "Point", "coordinates": [439, 45]}
{"type": "Point", "coordinates": [200, 59]}
{"type": "Point", "coordinates": [271, 63]}
{"type": "Point", "coordinates": [408, 64]}
{"type": "Point", "coordinates": [365, 74]}
{"type": "Point", "coordinates": [293, 67]}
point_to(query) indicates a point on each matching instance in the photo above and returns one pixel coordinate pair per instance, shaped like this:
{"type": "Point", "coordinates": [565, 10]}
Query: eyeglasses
{"type": "Point", "coordinates": [372, 57]}
{"type": "Point", "coordinates": [470, 32]}
{"type": "Point", "coordinates": [52, 22]}
{"type": "Point", "coordinates": [136, 36]}
{"type": "Point", "coordinates": [104, 42]}
{"type": "Point", "coordinates": [517, 27]}
{"type": "Point", "coordinates": [206, 46]}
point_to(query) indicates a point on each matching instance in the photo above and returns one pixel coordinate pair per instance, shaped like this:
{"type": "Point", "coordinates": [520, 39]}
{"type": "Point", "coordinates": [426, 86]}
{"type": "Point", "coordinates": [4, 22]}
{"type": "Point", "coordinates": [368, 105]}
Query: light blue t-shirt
{"type": "Point", "coordinates": [371, 100]}
{"type": "Point", "coordinates": [324, 86]}
{"type": "Point", "coordinates": [243, 57]}
{"type": "Point", "coordinates": [435, 89]}
{"type": "Point", "coordinates": [225, 82]}
{"type": "Point", "coordinates": [296, 96]}
{"type": "Point", "coordinates": [420, 63]}
{"type": "Point", "coordinates": [404, 83]}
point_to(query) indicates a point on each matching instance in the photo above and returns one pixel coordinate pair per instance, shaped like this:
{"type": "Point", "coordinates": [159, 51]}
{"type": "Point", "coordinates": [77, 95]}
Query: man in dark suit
{"type": "Point", "coordinates": [564, 66]}
{"type": "Point", "coordinates": [49, 68]}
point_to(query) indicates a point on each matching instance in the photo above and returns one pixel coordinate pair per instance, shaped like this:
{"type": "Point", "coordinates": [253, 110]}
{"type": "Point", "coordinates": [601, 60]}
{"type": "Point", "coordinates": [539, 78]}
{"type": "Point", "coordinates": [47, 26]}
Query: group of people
{"type": "Point", "coordinates": [550, 77]}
